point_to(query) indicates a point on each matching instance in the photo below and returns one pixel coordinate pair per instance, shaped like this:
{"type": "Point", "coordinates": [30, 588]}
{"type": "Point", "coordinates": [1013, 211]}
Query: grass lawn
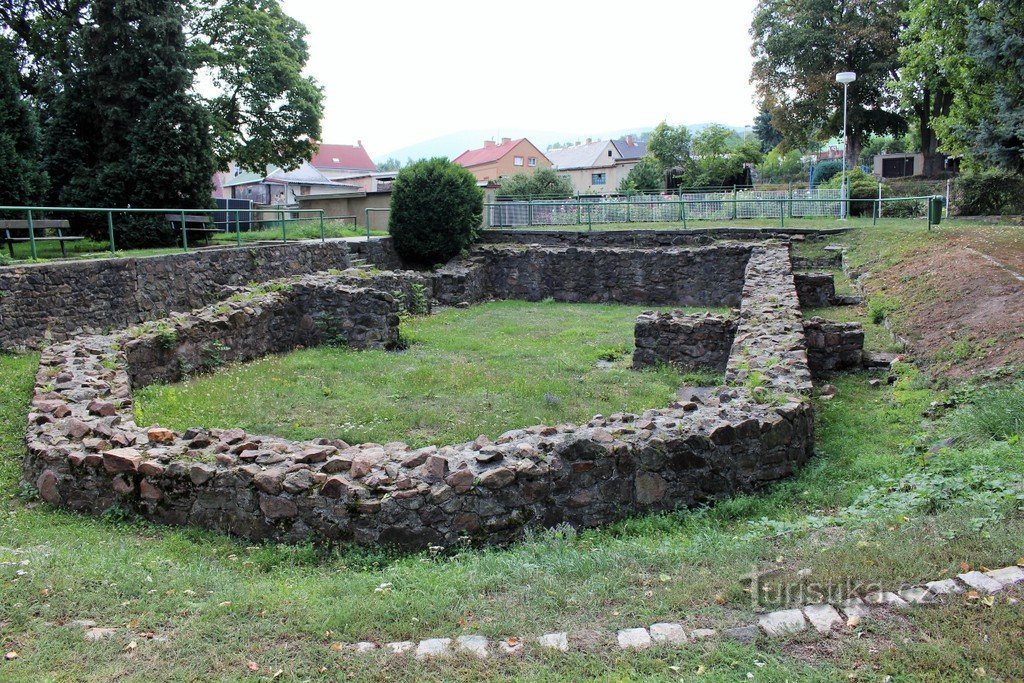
{"type": "Point", "coordinates": [482, 370]}
{"type": "Point", "coordinates": [885, 500]}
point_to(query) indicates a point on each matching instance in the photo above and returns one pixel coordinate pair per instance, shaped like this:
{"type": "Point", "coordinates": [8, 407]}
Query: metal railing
{"type": "Point", "coordinates": [370, 210]}
{"type": "Point", "coordinates": [579, 213]}
{"type": "Point", "coordinates": [33, 212]}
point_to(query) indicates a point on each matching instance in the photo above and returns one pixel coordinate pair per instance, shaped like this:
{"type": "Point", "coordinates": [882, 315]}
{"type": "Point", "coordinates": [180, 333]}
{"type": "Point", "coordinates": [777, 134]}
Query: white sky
{"type": "Point", "coordinates": [397, 72]}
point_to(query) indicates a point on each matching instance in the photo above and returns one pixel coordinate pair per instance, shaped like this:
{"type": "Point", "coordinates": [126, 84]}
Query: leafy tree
{"type": "Point", "coordinates": [645, 176]}
{"type": "Point", "coordinates": [267, 112]}
{"type": "Point", "coordinates": [264, 111]}
{"type": "Point", "coordinates": [800, 45]}
{"type": "Point", "coordinates": [996, 49]}
{"type": "Point", "coordinates": [389, 164]}
{"type": "Point", "coordinates": [718, 159]}
{"type": "Point", "coordinates": [766, 133]}
{"type": "Point", "coordinates": [825, 171]}
{"type": "Point", "coordinates": [436, 209]}
{"type": "Point", "coordinates": [670, 146]}
{"type": "Point", "coordinates": [932, 56]}
{"type": "Point", "coordinates": [779, 167]}
{"type": "Point", "coordinates": [22, 179]}
{"type": "Point", "coordinates": [147, 145]}
{"type": "Point", "coordinates": [879, 144]}
{"type": "Point", "coordinates": [544, 182]}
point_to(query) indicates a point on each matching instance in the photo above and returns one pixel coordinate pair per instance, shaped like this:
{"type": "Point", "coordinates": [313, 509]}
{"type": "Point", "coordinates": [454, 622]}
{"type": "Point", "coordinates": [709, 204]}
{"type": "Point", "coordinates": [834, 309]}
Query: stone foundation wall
{"type": "Point", "coordinates": [833, 346]}
{"type": "Point", "coordinates": [816, 289]}
{"type": "Point", "coordinates": [685, 341]}
{"type": "Point", "coordinates": [302, 312]}
{"type": "Point", "coordinates": [55, 301]}
{"type": "Point", "coordinates": [694, 276]}
{"type": "Point", "coordinates": [86, 453]}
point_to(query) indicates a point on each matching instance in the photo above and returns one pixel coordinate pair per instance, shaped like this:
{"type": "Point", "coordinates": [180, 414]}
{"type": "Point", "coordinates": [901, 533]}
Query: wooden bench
{"type": "Point", "coordinates": [39, 227]}
{"type": "Point", "coordinates": [202, 224]}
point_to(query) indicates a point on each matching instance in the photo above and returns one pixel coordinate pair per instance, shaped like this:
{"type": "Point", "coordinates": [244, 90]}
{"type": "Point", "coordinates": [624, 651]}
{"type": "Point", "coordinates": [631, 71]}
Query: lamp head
{"type": "Point", "coordinates": [846, 77]}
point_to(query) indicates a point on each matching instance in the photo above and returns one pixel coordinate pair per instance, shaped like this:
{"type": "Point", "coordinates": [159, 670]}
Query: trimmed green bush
{"type": "Point", "coordinates": [544, 182]}
{"type": "Point", "coordinates": [436, 209]}
{"type": "Point", "coordinates": [824, 171]}
{"type": "Point", "coordinates": [860, 186]}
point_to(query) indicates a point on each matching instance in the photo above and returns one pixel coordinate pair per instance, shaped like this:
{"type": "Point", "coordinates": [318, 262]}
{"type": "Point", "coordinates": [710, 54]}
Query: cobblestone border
{"type": "Point", "coordinates": [85, 451]}
{"type": "Point", "coordinates": [822, 618]}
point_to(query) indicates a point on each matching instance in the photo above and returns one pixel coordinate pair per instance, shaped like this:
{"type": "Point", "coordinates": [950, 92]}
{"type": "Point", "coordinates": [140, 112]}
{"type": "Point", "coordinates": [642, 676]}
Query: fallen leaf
{"type": "Point", "coordinates": [277, 673]}
{"type": "Point", "coordinates": [719, 599]}
{"type": "Point", "coordinates": [853, 621]}
{"type": "Point", "coordinates": [701, 669]}
{"type": "Point", "coordinates": [973, 595]}
{"type": "Point", "coordinates": [253, 666]}
{"type": "Point", "coordinates": [131, 646]}
{"type": "Point", "coordinates": [988, 601]}
{"type": "Point", "coordinates": [11, 655]}
{"type": "Point", "coordinates": [336, 647]}
{"type": "Point", "coordinates": [226, 603]}
{"type": "Point", "coordinates": [965, 567]}
{"type": "Point", "coordinates": [133, 624]}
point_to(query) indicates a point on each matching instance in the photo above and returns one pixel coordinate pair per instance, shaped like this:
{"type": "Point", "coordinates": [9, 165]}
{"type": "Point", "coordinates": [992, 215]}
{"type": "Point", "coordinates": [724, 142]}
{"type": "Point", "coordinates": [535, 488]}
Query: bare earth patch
{"type": "Point", "coordinates": [958, 308]}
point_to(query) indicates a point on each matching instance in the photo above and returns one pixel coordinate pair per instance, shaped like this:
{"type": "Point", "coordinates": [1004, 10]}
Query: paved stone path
{"type": "Point", "coordinates": [821, 617]}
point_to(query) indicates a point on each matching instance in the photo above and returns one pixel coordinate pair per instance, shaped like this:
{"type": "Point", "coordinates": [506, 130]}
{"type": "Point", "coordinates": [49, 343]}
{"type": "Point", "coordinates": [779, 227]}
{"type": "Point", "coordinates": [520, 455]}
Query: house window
{"type": "Point", "coordinates": [532, 161]}
{"type": "Point", "coordinates": [518, 161]}
{"type": "Point", "coordinates": [597, 179]}
{"type": "Point", "coordinates": [609, 152]}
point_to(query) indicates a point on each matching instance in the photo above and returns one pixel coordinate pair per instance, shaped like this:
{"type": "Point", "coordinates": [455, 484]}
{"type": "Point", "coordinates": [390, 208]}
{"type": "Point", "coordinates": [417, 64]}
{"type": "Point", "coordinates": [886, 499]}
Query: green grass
{"type": "Point", "coordinates": [884, 500]}
{"type": "Point", "coordinates": [482, 370]}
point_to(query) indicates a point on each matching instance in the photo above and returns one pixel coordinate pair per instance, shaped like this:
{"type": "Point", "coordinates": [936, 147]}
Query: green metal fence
{"type": "Point", "coordinates": [280, 218]}
{"type": "Point", "coordinates": [580, 214]}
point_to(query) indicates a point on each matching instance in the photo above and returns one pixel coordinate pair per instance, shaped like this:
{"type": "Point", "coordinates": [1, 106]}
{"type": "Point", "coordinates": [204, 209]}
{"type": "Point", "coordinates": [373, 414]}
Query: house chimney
{"type": "Point", "coordinates": [359, 143]}
{"type": "Point", "coordinates": [589, 141]}
{"type": "Point", "coordinates": [629, 140]}
{"type": "Point", "coordinates": [505, 141]}
{"type": "Point", "coordinates": [488, 143]}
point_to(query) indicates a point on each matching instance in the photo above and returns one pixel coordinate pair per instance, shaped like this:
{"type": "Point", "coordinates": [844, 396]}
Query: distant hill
{"type": "Point", "coordinates": [454, 144]}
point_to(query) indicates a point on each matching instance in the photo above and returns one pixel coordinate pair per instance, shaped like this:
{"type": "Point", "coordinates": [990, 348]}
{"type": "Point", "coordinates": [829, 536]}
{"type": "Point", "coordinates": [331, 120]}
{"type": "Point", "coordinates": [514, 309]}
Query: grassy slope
{"type": "Point", "coordinates": [482, 370]}
{"type": "Point", "coordinates": [287, 605]}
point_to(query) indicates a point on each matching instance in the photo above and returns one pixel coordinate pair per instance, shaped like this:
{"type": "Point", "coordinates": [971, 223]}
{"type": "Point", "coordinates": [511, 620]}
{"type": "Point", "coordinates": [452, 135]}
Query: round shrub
{"type": "Point", "coordinates": [825, 171]}
{"type": "Point", "coordinates": [861, 186]}
{"type": "Point", "coordinates": [436, 209]}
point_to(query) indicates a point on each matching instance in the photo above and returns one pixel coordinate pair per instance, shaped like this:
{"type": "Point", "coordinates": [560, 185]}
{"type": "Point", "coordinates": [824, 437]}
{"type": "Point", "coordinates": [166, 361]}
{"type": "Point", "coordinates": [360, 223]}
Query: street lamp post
{"type": "Point", "coordinates": [846, 78]}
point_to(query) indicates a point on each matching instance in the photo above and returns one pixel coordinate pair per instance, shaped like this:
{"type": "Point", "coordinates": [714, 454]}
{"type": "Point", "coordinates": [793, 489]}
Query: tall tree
{"type": "Point", "coordinates": [645, 176]}
{"type": "Point", "coordinates": [767, 134]}
{"type": "Point", "coordinates": [800, 45]}
{"type": "Point", "coordinates": [22, 180]}
{"type": "Point", "coordinates": [670, 147]}
{"type": "Point", "coordinates": [932, 53]}
{"type": "Point", "coordinates": [266, 112]}
{"type": "Point", "coordinates": [996, 50]}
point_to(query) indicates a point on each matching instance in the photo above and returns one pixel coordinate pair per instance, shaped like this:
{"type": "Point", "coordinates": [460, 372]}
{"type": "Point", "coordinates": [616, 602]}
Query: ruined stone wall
{"type": "Point", "coordinates": [686, 341]}
{"type": "Point", "coordinates": [816, 289]}
{"type": "Point", "coordinates": [833, 346]}
{"type": "Point", "coordinates": [86, 453]}
{"type": "Point", "coordinates": [694, 276]}
{"type": "Point", "coordinates": [54, 301]}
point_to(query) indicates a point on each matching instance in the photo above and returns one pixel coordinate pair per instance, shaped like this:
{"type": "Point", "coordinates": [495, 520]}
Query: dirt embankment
{"type": "Point", "coordinates": [959, 299]}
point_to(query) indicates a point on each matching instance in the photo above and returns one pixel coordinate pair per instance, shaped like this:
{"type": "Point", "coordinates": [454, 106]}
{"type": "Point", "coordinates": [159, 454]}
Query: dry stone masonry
{"type": "Point", "coordinates": [86, 453]}
{"type": "Point", "coordinates": [686, 341]}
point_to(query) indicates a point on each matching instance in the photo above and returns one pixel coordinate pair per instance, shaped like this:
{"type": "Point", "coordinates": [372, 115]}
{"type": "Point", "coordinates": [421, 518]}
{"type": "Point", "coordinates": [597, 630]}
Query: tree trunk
{"type": "Point", "coordinates": [935, 103]}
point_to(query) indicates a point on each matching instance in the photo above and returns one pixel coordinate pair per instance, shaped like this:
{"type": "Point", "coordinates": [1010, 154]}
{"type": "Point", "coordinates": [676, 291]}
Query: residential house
{"type": "Point", "coordinates": [497, 160]}
{"type": "Point", "coordinates": [336, 161]}
{"type": "Point", "coordinates": [597, 167]}
{"type": "Point", "coordinates": [277, 187]}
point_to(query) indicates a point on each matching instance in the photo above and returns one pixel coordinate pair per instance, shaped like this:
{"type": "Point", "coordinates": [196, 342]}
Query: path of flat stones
{"type": "Point", "coordinates": [821, 617]}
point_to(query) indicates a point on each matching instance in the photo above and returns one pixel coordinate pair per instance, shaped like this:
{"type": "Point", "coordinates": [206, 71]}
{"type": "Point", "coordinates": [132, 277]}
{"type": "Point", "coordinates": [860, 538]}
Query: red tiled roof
{"type": "Point", "coordinates": [485, 155]}
{"type": "Point", "coordinates": [352, 157]}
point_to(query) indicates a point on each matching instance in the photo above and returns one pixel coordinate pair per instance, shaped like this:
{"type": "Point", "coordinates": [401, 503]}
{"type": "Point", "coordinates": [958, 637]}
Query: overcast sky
{"type": "Point", "coordinates": [397, 72]}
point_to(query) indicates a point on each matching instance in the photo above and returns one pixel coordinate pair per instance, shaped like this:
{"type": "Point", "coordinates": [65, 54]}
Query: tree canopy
{"type": "Point", "coordinates": [544, 182]}
{"type": "Point", "coordinates": [645, 176]}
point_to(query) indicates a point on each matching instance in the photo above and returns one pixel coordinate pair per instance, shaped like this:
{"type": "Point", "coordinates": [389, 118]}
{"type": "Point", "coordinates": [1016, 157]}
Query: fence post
{"type": "Point", "coordinates": [949, 183]}
{"type": "Point", "coordinates": [791, 201]}
{"type": "Point", "coordinates": [878, 206]}
{"type": "Point", "coordinates": [734, 214]}
{"type": "Point", "coordinates": [682, 211]}
{"type": "Point", "coordinates": [284, 228]}
{"type": "Point", "coordinates": [529, 210]}
{"type": "Point", "coordinates": [590, 218]}
{"type": "Point", "coordinates": [367, 224]}
{"type": "Point", "coordinates": [31, 235]}
{"type": "Point", "coordinates": [782, 213]}
{"type": "Point", "coordinates": [238, 228]}
{"type": "Point", "coordinates": [110, 231]}
{"type": "Point", "coordinates": [323, 234]}
{"type": "Point", "coordinates": [184, 233]}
